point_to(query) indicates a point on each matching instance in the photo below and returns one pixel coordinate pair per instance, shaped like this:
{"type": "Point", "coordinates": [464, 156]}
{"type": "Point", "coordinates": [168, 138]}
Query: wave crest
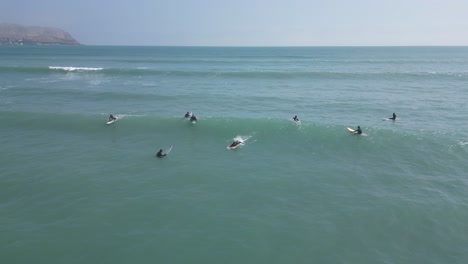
{"type": "Point", "coordinates": [70, 68]}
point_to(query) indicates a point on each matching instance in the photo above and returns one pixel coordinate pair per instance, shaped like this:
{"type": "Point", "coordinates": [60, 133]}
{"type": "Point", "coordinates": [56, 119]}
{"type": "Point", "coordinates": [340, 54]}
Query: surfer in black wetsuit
{"type": "Point", "coordinates": [111, 118]}
{"type": "Point", "coordinates": [358, 130]}
{"type": "Point", "coordinates": [188, 114]}
{"type": "Point", "coordinates": [193, 118]}
{"type": "Point", "coordinates": [160, 154]}
{"type": "Point", "coordinates": [235, 143]}
{"type": "Point", "coordinates": [295, 118]}
{"type": "Point", "coordinates": [393, 118]}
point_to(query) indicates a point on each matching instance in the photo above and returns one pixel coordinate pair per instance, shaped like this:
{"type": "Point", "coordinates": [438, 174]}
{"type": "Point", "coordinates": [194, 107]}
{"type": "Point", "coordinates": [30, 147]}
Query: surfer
{"type": "Point", "coordinates": [295, 118]}
{"type": "Point", "coordinates": [160, 154]}
{"type": "Point", "coordinates": [393, 117]}
{"type": "Point", "coordinates": [358, 130]}
{"type": "Point", "coordinates": [188, 114]}
{"type": "Point", "coordinates": [193, 118]}
{"type": "Point", "coordinates": [235, 143]}
{"type": "Point", "coordinates": [112, 118]}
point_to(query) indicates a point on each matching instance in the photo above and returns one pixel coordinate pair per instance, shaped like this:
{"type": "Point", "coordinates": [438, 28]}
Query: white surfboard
{"type": "Point", "coordinates": [111, 122]}
{"type": "Point", "coordinates": [168, 150]}
{"type": "Point", "coordinates": [355, 132]}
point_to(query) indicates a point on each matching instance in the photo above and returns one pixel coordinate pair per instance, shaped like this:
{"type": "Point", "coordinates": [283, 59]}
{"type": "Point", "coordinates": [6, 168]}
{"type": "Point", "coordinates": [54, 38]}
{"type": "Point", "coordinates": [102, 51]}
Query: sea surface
{"type": "Point", "coordinates": [75, 190]}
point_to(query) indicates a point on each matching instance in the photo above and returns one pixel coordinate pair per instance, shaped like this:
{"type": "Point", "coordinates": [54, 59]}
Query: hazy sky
{"type": "Point", "coordinates": [249, 22]}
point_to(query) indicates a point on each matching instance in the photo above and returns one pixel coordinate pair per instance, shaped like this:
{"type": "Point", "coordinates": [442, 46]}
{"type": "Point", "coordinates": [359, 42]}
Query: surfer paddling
{"type": "Point", "coordinates": [235, 143]}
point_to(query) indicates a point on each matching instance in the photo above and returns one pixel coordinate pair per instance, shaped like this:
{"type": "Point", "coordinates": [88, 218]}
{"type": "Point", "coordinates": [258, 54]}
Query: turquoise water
{"type": "Point", "coordinates": [74, 190]}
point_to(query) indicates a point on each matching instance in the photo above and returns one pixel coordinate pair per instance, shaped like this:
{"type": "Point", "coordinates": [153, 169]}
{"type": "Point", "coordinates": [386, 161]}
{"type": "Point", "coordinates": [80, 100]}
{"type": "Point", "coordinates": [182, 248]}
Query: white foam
{"type": "Point", "coordinates": [74, 68]}
{"type": "Point", "coordinates": [241, 138]}
{"type": "Point", "coordinates": [121, 116]}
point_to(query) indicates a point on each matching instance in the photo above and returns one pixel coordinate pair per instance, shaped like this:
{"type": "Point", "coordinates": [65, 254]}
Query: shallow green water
{"type": "Point", "coordinates": [74, 190]}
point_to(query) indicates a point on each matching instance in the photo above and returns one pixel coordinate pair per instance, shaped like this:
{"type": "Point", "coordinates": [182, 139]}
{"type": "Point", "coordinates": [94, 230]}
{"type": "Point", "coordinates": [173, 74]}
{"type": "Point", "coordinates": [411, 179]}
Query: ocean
{"type": "Point", "coordinates": [75, 190]}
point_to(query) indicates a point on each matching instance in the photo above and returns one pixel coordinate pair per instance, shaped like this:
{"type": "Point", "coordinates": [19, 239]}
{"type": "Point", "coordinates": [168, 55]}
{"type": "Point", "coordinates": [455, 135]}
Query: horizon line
{"type": "Point", "coordinates": [275, 46]}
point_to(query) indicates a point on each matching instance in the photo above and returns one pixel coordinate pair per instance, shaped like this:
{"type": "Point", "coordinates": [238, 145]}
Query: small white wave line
{"type": "Point", "coordinates": [70, 68]}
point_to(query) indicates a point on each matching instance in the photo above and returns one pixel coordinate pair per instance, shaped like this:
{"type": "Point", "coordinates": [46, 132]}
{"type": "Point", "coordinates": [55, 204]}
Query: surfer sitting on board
{"type": "Point", "coordinates": [188, 114]}
{"type": "Point", "coordinates": [193, 118]}
{"type": "Point", "coordinates": [295, 118]}
{"type": "Point", "coordinates": [393, 118]}
{"type": "Point", "coordinates": [111, 118]}
{"type": "Point", "coordinates": [358, 130]}
{"type": "Point", "coordinates": [160, 154]}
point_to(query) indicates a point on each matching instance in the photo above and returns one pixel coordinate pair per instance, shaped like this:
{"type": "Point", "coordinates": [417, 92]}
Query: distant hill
{"type": "Point", "coordinates": [12, 34]}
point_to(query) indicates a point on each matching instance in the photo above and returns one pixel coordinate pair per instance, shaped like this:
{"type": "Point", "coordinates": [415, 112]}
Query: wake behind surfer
{"type": "Point", "coordinates": [161, 154]}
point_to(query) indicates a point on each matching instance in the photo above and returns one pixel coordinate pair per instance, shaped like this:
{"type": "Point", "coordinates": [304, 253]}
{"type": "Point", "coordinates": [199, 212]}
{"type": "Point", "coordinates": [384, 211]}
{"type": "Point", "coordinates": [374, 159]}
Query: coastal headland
{"type": "Point", "coordinates": [13, 34]}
